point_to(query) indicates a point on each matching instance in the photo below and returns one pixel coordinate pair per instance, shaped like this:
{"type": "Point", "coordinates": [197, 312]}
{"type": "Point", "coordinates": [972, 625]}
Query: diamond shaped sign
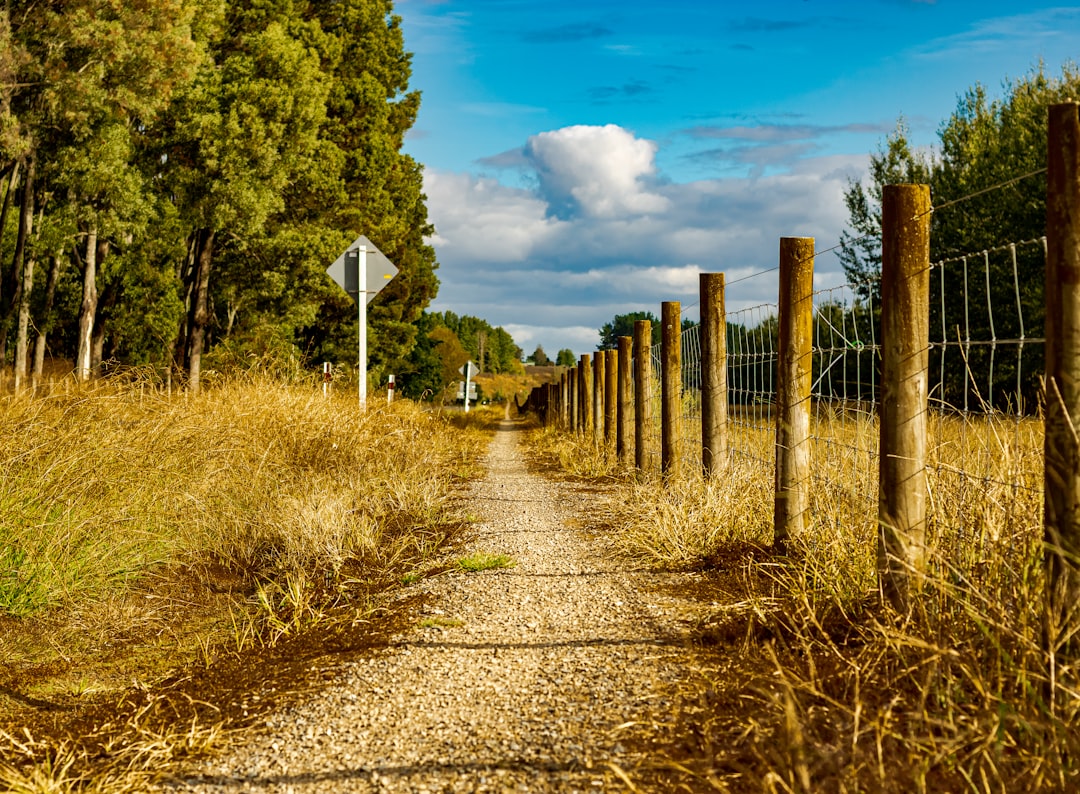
{"type": "Point", "coordinates": [345, 271]}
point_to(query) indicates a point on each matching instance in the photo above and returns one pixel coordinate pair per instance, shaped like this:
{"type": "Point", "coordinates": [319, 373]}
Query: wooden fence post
{"type": "Point", "coordinates": [714, 397]}
{"type": "Point", "coordinates": [611, 384]}
{"type": "Point", "coordinates": [584, 395]}
{"type": "Point", "coordinates": [905, 347]}
{"type": "Point", "coordinates": [796, 326]}
{"type": "Point", "coordinates": [625, 399]}
{"type": "Point", "coordinates": [571, 400]}
{"type": "Point", "coordinates": [1061, 513]}
{"type": "Point", "coordinates": [642, 392]}
{"type": "Point", "coordinates": [671, 388]}
{"type": "Point", "coordinates": [599, 365]}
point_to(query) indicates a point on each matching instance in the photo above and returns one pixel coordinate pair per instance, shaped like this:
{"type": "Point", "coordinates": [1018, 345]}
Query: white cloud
{"type": "Point", "coordinates": [481, 220]}
{"type": "Point", "coordinates": [507, 256]}
{"type": "Point", "coordinates": [600, 171]}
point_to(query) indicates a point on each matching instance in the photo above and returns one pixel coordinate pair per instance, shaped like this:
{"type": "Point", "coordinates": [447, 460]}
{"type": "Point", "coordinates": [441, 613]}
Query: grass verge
{"type": "Point", "coordinates": [198, 546]}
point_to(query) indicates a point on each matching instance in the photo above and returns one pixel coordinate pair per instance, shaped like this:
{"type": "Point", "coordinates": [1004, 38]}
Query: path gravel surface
{"type": "Point", "coordinates": [519, 679]}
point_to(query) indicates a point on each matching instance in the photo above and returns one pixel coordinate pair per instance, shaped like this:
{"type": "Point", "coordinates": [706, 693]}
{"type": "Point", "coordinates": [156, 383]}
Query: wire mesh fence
{"type": "Point", "coordinates": [985, 435]}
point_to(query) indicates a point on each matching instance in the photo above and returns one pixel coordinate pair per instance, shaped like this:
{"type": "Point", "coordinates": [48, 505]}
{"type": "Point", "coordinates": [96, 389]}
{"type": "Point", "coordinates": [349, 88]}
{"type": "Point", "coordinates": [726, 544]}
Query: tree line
{"type": "Point", "coordinates": [988, 186]}
{"type": "Point", "coordinates": [176, 175]}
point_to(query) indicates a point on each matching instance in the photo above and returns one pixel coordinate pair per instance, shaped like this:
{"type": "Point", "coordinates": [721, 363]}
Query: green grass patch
{"type": "Point", "coordinates": [441, 623]}
{"type": "Point", "coordinates": [484, 561]}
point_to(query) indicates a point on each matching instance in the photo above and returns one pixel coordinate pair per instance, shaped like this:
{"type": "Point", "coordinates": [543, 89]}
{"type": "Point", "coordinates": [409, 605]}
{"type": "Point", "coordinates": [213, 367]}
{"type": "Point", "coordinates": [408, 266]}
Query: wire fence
{"type": "Point", "coordinates": [986, 359]}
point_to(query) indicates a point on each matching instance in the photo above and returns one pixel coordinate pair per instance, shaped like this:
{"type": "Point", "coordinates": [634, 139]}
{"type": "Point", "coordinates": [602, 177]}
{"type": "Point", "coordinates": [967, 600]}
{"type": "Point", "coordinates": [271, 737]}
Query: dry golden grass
{"type": "Point", "coordinates": [140, 530]}
{"type": "Point", "coordinates": [807, 682]}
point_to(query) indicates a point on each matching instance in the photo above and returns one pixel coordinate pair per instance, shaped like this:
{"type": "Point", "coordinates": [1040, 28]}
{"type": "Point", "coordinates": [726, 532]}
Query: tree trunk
{"type": "Point", "coordinates": [106, 301]}
{"type": "Point", "coordinates": [13, 178]}
{"type": "Point", "coordinates": [200, 303]}
{"type": "Point", "coordinates": [9, 279]}
{"type": "Point", "coordinates": [185, 274]}
{"type": "Point", "coordinates": [88, 309]}
{"type": "Point", "coordinates": [46, 319]}
{"type": "Point", "coordinates": [26, 218]}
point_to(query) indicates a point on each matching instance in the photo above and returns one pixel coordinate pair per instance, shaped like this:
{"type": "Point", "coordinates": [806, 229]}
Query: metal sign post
{"type": "Point", "coordinates": [468, 369]}
{"type": "Point", "coordinates": [362, 269]}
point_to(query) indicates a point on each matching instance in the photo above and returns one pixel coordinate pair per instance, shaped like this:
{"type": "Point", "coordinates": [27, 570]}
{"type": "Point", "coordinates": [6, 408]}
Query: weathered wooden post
{"type": "Point", "coordinates": [611, 382]}
{"type": "Point", "coordinates": [671, 388]}
{"type": "Point", "coordinates": [905, 347]}
{"type": "Point", "coordinates": [796, 325]}
{"type": "Point", "coordinates": [714, 397]}
{"type": "Point", "coordinates": [642, 392]}
{"type": "Point", "coordinates": [1061, 511]}
{"type": "Point", "coordinates": [585, 395]}
{"type": "Point", "coordinates": [565, 382]}
{"type": "Point", "coordinates": [572, 399]}
{"type": "Point", "coordinates": [599, 365]}
{"type": "Point", "coordinates": [625, 399]}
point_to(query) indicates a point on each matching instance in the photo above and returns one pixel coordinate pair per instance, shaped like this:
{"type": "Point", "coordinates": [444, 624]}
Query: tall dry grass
{"type": "Point", "coordinates": [97, 486]}
{"type": "Point", "coordinates": [809, 683]}
{"type": "Point", "coordinates": [254, 511]}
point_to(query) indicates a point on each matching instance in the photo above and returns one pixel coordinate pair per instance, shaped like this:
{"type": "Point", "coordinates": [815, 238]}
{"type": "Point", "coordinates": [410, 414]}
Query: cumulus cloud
{"type": "Point", "coordinates": [479, 219]}
{"type": "Point", "coordinates": [601, 235]}
{"type": "Point", "coordinates": [600, 172]}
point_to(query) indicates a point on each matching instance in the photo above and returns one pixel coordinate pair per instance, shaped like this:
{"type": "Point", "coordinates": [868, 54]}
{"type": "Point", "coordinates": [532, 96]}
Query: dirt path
{"type": "Point", "coordinates": [519, 679]}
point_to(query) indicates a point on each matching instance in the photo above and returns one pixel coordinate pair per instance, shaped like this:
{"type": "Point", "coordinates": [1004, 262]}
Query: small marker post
{"type": "Point", "coordinates": [390, 390]}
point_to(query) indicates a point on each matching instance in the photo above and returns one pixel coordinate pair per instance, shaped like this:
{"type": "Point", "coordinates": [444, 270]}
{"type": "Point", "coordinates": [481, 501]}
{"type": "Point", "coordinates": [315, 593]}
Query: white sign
{"type": "Point", "coordinates": [472, 369]}
{"type": "Point", "coordinates": [345, 271]}
{"type": "Point", "coordinates": [461, 390]}
{"type": "Point", "coordinates": [362, 263]}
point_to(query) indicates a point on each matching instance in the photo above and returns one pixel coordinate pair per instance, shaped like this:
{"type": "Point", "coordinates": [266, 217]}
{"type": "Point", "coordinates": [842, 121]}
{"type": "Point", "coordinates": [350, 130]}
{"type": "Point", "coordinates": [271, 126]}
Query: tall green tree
{"type": "Point", "coordinates": [237, 135]}
{"type": "Point", "coordinates": [988, 191]}
{"type": "Point", "coordinates": [895, 162]}
{"type": "Point", "coordinates": [623, 325]}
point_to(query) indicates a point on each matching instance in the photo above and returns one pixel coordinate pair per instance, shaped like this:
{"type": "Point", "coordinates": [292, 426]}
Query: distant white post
{"type": "Point", "coordinates": [390, 390]}
{"type": "Point", "coordinates": [468, 376]}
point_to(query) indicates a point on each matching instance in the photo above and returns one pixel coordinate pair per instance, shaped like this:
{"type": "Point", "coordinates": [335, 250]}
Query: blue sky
{"type": "Point", "coordinates": [589, 158]}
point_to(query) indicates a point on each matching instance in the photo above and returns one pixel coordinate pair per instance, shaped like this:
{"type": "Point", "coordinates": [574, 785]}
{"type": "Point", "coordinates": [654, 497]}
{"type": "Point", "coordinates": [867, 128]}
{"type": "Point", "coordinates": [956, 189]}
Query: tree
{"type": "Point", "coordinates": [988, 191]}
{"type": "Point", "coordinates": [860, 248]}
{"type": "Point", "coordinates": [623, 325]}
{"type": "Point", "coordinates": [565, 358]}
{"type": "Point", "coordinates": [451, 353]}
{"type": "Point", "coordinates": [540, 358]}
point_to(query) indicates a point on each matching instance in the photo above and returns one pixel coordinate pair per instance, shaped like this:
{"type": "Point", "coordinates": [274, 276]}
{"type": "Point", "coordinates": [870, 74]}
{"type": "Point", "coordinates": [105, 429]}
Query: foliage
{"type": "Point", "coordinates": [565, 358]}
{"type": "Point", "coordinates": [623, 325]}
{"type": "Point", "coordinates": [539, 358]}
{"type": "Point", "coordinates": [986, 183]}
{"type": "Point", "coordinates": [500, 354]}
{"type": "Point", "coordinates": [222, 153]}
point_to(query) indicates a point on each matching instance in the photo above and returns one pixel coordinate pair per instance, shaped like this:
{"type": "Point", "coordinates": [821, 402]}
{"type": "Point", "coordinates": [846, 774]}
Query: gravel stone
{"type": "Point", "coordinates": [529, 685]}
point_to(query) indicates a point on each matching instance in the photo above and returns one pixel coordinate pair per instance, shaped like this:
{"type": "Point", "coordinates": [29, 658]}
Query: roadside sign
{"type": "Point", "coordinates": [345, 270]}
{"type": "Point", "coordinates": [472, 369]}
{"type": "Point", "coordinates": [362, 264]}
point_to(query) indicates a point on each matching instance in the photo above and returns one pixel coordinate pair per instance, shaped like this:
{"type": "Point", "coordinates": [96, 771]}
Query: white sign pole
{"type": "Point", "coordinates": [468, 374]}
{"type": "Point", "coordinates": [362, 334]}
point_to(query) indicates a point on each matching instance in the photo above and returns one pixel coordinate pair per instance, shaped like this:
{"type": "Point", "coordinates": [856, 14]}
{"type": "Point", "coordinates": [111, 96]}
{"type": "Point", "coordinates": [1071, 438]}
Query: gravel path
{"type": "Point", "coordinates": [519, 679]}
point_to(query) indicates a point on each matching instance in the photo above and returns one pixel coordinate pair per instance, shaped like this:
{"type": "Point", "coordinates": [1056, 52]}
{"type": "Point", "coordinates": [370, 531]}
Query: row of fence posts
{"type": "Point", "coordinates": [608, 397]}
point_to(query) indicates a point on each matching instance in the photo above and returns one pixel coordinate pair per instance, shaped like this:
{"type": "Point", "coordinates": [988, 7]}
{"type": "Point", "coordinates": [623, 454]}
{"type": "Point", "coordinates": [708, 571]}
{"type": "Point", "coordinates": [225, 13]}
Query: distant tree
{"type": "Point", "coordinates": [565, 358]}
{"type": "Point", "coordinates": [860, 247]}
{"type": "Point", "coordinates": [422, 370]}
{"type": "Point", "coordinates": [540, 358]}
{"type": "Point", "coordinates": [623, 325]}
{"type": "Point", "coordinates": [988, 191]}
{"type": "Point", "coordinates": [450, 353]}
